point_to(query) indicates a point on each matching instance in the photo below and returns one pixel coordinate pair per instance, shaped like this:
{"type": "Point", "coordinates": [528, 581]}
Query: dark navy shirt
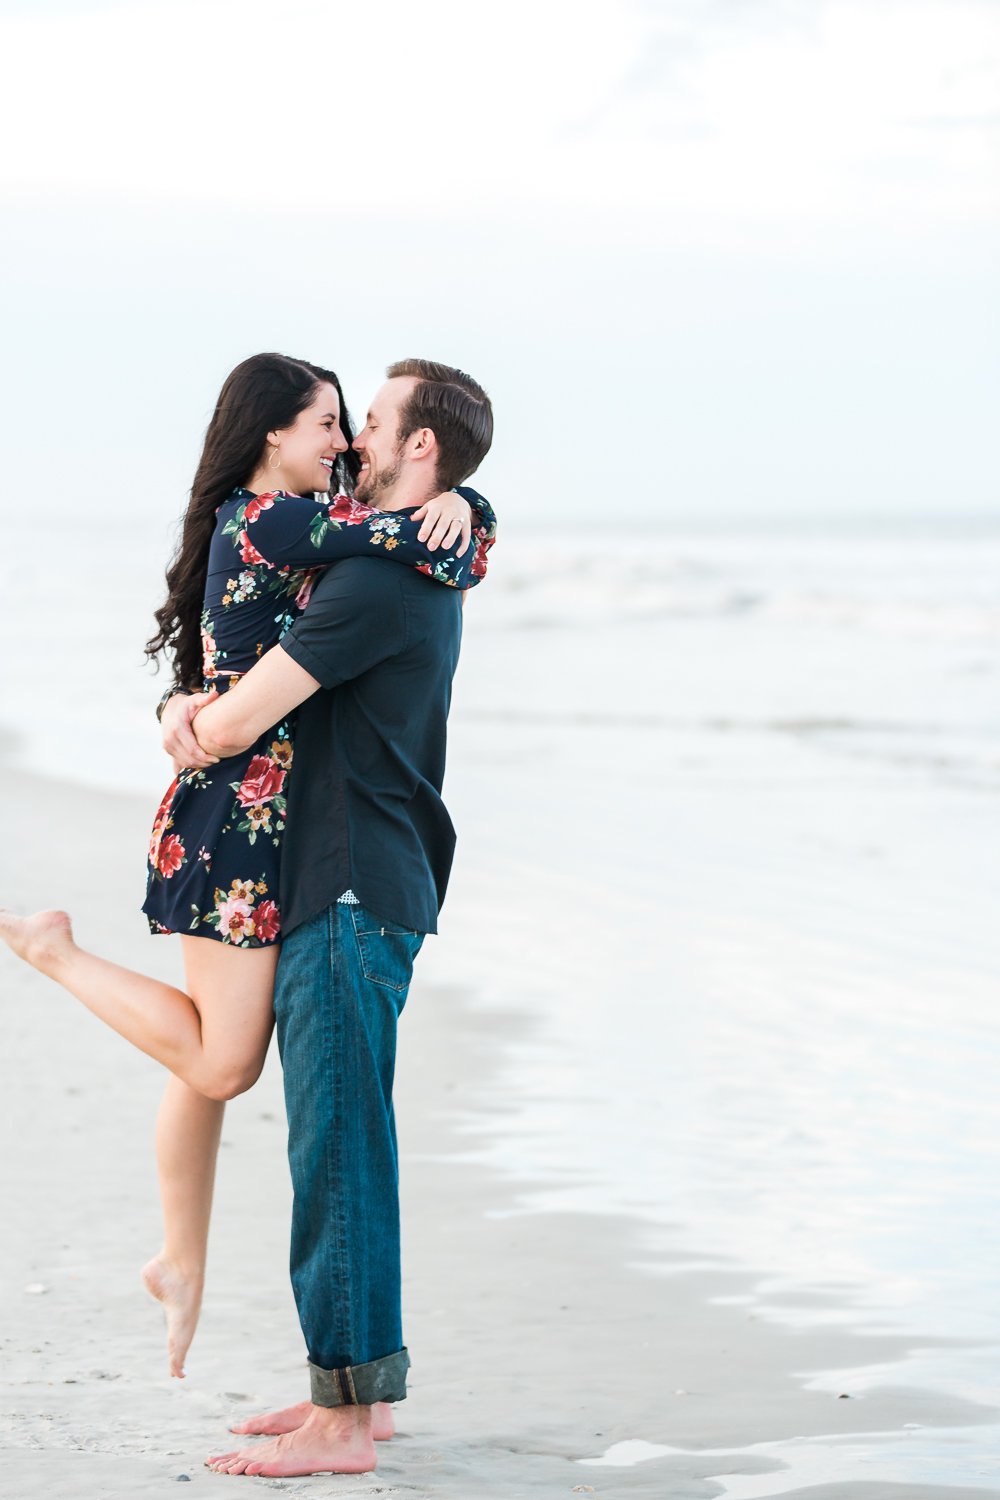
{"type": "Point", "coordinates": [365, 810]}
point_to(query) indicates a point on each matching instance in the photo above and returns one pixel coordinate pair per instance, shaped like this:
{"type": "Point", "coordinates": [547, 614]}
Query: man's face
{"type": "Point", "coordinates": [382, 455]}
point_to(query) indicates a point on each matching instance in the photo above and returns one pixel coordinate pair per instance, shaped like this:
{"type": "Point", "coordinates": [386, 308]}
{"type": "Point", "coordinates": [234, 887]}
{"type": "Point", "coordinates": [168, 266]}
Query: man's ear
{"type": "Point", "coordinates": [422, 444]}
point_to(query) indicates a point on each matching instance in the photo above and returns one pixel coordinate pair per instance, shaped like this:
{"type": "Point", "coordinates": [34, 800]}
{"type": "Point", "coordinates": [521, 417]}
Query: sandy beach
{"type": "Point", "coordinates": [537, 1341]}
{"type": "Point", "coordinates": [695, 1147]}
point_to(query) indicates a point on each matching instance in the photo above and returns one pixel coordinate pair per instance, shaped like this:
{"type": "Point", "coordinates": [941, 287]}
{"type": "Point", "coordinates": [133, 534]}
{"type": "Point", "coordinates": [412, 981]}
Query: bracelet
{"type": "Point", "coordinates": [170, 693]}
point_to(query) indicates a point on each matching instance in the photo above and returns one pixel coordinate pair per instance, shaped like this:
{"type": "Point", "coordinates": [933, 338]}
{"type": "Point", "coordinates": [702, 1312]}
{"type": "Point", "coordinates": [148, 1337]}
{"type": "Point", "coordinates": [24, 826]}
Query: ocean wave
{"type": "Point", "coordinates": [907, 589]}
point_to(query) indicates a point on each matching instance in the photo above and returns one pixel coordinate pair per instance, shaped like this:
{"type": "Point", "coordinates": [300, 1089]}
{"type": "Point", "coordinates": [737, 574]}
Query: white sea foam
{"type": "Point", "coordinates": [917, 1455]}
{"type": "Point", "coordinates": [628, 1453]}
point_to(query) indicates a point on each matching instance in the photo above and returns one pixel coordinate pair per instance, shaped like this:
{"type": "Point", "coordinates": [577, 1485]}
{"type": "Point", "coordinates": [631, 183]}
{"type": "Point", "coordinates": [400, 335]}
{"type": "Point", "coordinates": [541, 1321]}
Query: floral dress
{"type": "Point", "coordinates": [215, 848]}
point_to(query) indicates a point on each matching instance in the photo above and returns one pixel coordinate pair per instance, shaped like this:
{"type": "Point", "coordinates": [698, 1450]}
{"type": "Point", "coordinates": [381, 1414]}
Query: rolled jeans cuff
{"type": "Point", "coordinates": [361, 1385]}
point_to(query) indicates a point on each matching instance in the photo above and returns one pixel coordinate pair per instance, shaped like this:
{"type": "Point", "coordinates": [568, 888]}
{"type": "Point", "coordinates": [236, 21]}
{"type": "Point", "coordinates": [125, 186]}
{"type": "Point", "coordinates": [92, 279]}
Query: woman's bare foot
{"type": "Point", "coordinates": [331, 1440]}
{"type": "Point", "coordinates": [40, 940]}
{"type": "Point", "coordinates": [290, 1418]}
{"type": "Point", "coordinates": [180, 1296]}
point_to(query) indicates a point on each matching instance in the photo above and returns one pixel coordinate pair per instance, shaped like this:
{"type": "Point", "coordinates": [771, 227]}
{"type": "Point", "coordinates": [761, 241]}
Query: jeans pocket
{"type": "Point", "coordinates": [385, 949]}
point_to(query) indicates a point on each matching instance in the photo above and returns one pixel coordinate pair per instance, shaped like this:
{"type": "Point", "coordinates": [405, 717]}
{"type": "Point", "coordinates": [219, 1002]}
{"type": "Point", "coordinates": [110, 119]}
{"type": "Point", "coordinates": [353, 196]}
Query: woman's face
{"type": "Point", "coordinates": [308, 450]}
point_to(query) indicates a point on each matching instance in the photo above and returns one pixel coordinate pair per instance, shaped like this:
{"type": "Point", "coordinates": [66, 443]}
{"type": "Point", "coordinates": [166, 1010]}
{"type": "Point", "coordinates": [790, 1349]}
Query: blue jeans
{"type": "Point", "coordinates": [341, 986]}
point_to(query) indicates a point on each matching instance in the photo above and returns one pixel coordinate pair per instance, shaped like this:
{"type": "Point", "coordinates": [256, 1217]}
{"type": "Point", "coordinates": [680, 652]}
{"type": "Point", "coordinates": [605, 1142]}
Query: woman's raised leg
{"type": "Point", "coordinates": [214, 1038]}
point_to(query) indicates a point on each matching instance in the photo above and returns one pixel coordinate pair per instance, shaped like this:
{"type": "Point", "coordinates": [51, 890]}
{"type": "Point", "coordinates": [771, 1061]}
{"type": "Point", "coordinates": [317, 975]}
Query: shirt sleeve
{"type": "Point", "coordinates": [355, 619]}
{"type": "Point", "coordinates": [296, 531]}
{"type": "Point", "coordinates": [484, 534]}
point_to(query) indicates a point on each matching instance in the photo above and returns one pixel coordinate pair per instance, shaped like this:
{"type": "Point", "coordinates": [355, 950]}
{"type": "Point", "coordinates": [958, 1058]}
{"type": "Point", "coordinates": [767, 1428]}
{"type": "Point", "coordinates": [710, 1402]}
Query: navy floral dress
{"type": "Point", "coordinates": [215, 848]}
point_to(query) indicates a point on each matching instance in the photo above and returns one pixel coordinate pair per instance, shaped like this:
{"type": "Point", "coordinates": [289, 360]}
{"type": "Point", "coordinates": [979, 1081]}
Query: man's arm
{"type": "Point", "coordinates": [268, 692]}
{"type": "Point", "coordinates": [354, 620]}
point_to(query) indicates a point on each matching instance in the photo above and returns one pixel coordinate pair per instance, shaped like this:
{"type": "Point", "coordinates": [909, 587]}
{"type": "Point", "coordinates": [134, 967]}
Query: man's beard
{"type": "Point", "coordinates": [371, 487]}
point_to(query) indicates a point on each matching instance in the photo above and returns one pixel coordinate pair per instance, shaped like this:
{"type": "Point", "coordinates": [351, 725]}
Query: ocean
{"type": "Point", "coordinates": [728, 862]}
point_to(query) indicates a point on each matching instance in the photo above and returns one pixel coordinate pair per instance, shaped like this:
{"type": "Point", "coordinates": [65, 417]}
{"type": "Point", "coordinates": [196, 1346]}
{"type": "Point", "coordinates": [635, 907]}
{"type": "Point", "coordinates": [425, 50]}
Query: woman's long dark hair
{"type": "Point", "coordinates": [264, 393]}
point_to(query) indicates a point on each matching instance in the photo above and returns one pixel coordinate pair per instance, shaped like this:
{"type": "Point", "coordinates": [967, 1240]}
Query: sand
{"type": "Point", "coordinates": [539, 1340]}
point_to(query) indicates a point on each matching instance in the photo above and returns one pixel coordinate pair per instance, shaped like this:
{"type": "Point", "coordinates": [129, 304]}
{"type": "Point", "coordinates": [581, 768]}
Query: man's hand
{"type": "Point", "coordinates": [446, 518]}
{"type": "Point", "coordinates": [178, 735]}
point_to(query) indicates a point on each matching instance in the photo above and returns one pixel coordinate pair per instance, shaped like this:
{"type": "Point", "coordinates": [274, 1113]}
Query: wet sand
{"type": "Point", "coordinates": [538, 1339]}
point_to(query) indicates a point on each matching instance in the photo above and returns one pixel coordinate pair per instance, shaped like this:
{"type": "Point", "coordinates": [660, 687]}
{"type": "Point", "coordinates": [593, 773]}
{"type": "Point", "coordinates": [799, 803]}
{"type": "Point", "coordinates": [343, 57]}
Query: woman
{"type": "Point", "coordinates": [254, 535]}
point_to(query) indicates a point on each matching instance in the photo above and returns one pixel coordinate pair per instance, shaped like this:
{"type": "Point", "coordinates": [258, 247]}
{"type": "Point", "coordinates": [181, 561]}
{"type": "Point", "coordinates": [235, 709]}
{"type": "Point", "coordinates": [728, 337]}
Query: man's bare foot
{"type": "Point", "coordinates": [181, 1299]}
{"type": "Point", "coordinates": [331, 1440]}
{"type": "Point", "coordinates": [290, 1418]}
{"type": "Point", "coordinates": [40, 940]}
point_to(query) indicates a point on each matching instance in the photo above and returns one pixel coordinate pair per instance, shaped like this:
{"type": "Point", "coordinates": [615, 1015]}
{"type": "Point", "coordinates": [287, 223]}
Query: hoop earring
{"type": "Point", "coordinates": [275, 454]}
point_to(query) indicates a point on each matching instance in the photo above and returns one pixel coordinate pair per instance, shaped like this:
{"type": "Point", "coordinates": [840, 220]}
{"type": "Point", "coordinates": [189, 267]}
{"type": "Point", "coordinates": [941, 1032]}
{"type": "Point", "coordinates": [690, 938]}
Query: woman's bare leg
{"type": "Point", "coordinates": [214, 1038]}
{"type": "Point", "coordinates": [187, 1143]}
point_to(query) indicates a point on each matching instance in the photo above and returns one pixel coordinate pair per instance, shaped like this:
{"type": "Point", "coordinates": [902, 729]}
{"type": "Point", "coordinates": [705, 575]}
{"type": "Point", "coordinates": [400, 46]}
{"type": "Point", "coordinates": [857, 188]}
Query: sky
{"type": "Point", "coordinates": [714, 259]}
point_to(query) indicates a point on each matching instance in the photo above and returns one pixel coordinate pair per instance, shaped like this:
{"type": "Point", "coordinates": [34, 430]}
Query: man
{"type": "Point", "coordinates": [365, 865]}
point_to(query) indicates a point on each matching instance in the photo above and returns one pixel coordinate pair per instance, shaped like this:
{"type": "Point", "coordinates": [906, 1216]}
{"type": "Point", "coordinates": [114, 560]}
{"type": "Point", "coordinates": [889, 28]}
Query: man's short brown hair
{"type": "Point", "coordinates": [455, 408]}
